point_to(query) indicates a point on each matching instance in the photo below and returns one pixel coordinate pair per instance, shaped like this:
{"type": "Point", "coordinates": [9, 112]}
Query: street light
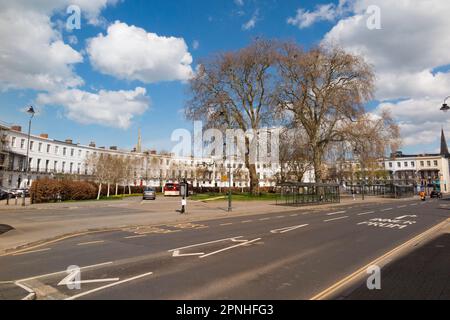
{"type": "Point", "coordinates": [445, 107]}
{"type": "Point", "coordinates": [27, 164]}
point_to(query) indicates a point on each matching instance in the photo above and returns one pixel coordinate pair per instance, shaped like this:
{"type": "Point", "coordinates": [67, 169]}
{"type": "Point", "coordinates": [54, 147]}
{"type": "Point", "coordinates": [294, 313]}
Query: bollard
{"type": "Point", "coordinates": [16, 201]}
{"type": "Point", "coordinates": [7, 198]}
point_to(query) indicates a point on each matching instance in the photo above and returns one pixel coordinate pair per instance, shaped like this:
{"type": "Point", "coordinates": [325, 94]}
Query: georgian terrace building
{"type": "Point", "coordinates": [50, 158]}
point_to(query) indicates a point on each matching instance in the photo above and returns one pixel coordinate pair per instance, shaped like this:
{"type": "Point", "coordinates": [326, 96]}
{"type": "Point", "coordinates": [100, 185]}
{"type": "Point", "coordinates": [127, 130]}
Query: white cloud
{"type": "Point", "coordinates": [412, 43]}
{"type": "Point", "coordinates": [32, 52]}
{"type": "Point", "coordinates": [325, 12]}
{"type": "Point", "coordinates": [109, 108]}
{"type": "Point", "coordinates": [239, 2]}
{"type": "Point", "coordinates": [250, 24]}
{"type": "Point", "coordinates": [131, 53]}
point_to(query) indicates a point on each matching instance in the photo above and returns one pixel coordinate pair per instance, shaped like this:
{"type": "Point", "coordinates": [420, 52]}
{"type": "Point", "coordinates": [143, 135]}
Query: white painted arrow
{"type": "Point", "coordinates": [287, 229]}
{"type": "Point", "coordinates": [74, 276]}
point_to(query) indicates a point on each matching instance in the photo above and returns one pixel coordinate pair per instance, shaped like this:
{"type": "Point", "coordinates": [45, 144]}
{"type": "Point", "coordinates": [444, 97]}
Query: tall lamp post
{"type": "Point", "coordinates": [27, 162]}
{"type": "Point", "coordinates": [445, 107]}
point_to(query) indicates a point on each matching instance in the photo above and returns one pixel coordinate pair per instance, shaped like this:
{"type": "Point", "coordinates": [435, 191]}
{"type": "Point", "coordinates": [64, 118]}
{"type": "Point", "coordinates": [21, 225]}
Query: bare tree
{"type": "Point", "coordinates": [234, 90]}
{"type": "Point", "coordinates": [370, 138]}
{"type": "Point", "coordinates": [321, 90]}
{"type": "Point", "coordinates": [294, 156]}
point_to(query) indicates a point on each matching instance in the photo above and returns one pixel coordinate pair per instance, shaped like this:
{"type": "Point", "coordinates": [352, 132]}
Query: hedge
{"type": "Point", "coordinates": [47, 190]}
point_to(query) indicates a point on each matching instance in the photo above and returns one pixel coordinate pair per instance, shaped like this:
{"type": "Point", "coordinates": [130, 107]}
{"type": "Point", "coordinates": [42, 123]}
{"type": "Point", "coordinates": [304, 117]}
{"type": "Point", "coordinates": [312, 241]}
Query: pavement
{"type": "Point", "coordinates": [39, 223]}
{"type": "Point", "coordinates": [292, 254]}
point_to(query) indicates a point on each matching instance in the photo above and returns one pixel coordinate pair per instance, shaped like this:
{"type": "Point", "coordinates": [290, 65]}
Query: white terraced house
{"type": "Point", "coordinates": [51, 158]}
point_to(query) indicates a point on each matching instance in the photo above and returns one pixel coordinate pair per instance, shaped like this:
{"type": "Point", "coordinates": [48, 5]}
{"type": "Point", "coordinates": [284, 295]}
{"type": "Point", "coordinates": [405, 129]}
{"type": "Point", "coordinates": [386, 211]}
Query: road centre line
{"type": "Point", "coordinates": [399, 207]}
{"type": "Point", "coordinates": [229, 248]}
{"type": "Point", "coordinates": [226, 224]}
{"type": "Point", "coordinates": [287, 229]}
{"type": "Point", "coordinates": [264, 219]}
{"type": "Point", "coordinates": [247, 221]}
{"type": "Point", "coordinates": [294, 215]}
{"type": "Point", "coordinates": [33, 251]}
{"type": "Point", "coordinates": [340, 218]}
{"type": "Point", "coordinates": [388, 209]}
{"type": "Point", "coordinates": [134, 237]}
{"type": "Point", "coordinates": [335, 213]}
{"type": "Point", "coordinates": [108, 286]}
{"type": "Point", "coordinates": [204, 243]}
{"type": "Point", "coordinates": [365, 213]}
{"type": "Point", "coordinates": [281, 217]}
{"type": "Point", "coordinates": [89, 243]}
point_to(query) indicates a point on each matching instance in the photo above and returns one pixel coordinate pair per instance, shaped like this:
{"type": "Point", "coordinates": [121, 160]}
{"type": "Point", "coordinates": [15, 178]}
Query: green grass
{"type": "Point", "coordinates": [235, 197]}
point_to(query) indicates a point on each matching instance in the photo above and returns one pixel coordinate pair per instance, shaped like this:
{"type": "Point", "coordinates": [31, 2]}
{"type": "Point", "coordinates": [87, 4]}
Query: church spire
{"type": "Point", "coordinates": [444, 146]}
{"type": "Point", "coordinates": [139, 144]}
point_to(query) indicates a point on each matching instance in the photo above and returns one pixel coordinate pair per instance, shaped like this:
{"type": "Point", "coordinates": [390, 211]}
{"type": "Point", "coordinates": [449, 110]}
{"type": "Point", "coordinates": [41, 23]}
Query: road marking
{"type": "Point", "coordinates": [399, 207]}
{"type": "Point", "coordinates": [335, 213]}
{"type": "Point", "coordinates": [89, 243]}
{"type": "Point", "coordinates": [281, 217]}
{"type": "Point", "coordinates": [403, 217]}
{"type": "Point", "coordinates": [362, 272]}
{"type": "Point", "coordinates": [202, 244]}
{"type": "Point", "coordinates": [70, 279]}
{"type": "Point", "coordinates": [31, 294]}
{"type": "Point", "coordinates": [134, 237]}
{"type": "Point", "coordinates": [33, 251]}
{"type": "Point", "coordinates": [247, 221]}
{"type": "Point", "coordinates": [388, 209]}
{"type": "Point", "coordinates": [226, 224]}
{"type": "Point", "coordinates": [294, 215]}
{"type": "Point", "coordinates": [340, 218]}
{"type": "Point", "coordinates": [414, 204]}
{"type": "Point", "coordinates": [365, 213]}
{"type": "Point", "coordinates": [108, 286]}
{"type": "Point", "coordinates": [245, 242]}
{"type": "Point", "coordinates": [264, 219]}
{"type": "Point", "coordinates": [287, 229]}
{"type": "Point", "coordinates": [59, 272]}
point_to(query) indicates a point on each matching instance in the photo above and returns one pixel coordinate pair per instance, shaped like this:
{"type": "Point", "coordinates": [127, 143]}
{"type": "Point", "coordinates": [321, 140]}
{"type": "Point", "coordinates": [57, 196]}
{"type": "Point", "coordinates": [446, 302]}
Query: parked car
{"type": "Point", "coordinates": [171, 189]}
{"type": "Point", "coordinates": [435, 194]}
{"type": "Point", "coordinates": [19, 192]}
{"type": "Point", "coordinates": [149, 194]}
{"type": "Point", "coordinates": [3, 194]}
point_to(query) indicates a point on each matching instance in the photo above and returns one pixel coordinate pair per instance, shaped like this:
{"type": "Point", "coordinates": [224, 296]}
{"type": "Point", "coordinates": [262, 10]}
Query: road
{"type": "Point", "coordinates": [277, 256]}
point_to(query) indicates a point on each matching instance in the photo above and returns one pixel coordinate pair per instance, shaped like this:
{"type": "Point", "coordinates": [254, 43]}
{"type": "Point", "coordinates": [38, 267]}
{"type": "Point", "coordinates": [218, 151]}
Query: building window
{"type": "Point", "coordinates": [399, 165]}
{"type": "Point", "coordinates": [71, 152]}
{"type": "Point", "coordinates": [31, 145]}
{"type": "Point", "coordinates": [63, 167]}
{"type": "Point", "coordinates": [435, 163]}
{"type": "Point", "coordinates": [406, 164]}
{"type": "Point", "coordinates": [71, 168]}
{"type": "Point", "coordinates": [22, 143]}
{"type": "Point", "coordinates": [413, 164]}
{"type": "Point", "coordinates": [55, 166]}
{"type": "Point", "coordinates": [56, 149]}
{"type": "Point", "coordinates": [422, 164]}
{"type": "Point", "coordinates": [79, 168]}
{"type": "Point", "coordinates": [64, 151]}
{"type": "Point", "coordinates": [47, 162]}
{"type": "Point", "coordinates": [79, 153]}
{"type": "Point", "coordinates": [390, 165]}
{"type": "Point", "coordinates": [48, 148]}
{"type": "Point", "coordinates": [40, 147]}
{"type": "Point", "coordinates": [13, 142]}
{"type": "Point", "coordinates": [428, 163]}
{"type": "Point", "coordinates": [38, 165]}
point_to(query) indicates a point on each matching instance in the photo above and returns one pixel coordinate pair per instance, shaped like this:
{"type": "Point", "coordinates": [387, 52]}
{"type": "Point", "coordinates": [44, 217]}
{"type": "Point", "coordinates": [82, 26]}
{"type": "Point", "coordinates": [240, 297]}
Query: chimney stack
{"type": "Point", "coordinates": [69, 141]}
{"type": "Point", "coordinates": [92, 144]}
{"type": "Point", "coordinates": [16, 128]}
{"type": "Point", "coordinates": [44, 135]}
{"type": "Point", "coordinates": [113, 148]}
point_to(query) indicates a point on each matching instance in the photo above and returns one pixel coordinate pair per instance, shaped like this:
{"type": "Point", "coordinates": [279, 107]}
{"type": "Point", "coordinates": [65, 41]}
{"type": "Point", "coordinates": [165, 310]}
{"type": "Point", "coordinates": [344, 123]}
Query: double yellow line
{"type": "Point", "coordinates": [340, 285]}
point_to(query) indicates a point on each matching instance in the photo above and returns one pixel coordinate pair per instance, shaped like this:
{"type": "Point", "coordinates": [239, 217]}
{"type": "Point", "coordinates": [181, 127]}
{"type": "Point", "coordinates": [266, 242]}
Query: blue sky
{"type": "Point", "coordinates": [205, 27]}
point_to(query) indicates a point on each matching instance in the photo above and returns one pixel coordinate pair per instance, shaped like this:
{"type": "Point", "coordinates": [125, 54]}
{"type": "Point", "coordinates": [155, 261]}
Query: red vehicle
{"type": "Point", "coordinates": [171, 190]}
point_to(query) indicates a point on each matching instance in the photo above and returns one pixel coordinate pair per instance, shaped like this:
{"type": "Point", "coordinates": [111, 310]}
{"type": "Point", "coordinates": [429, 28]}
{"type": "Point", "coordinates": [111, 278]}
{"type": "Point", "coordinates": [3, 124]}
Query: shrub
{"type": "Point", "coordinates": [48, 190]}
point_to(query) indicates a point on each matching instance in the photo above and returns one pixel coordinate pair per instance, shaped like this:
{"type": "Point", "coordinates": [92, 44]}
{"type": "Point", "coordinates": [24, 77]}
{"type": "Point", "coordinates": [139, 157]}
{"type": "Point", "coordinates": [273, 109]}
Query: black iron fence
{"type": "Point", "coordinates": [386, 190]}
{"type": "Point", "coordinates": [302, 194]}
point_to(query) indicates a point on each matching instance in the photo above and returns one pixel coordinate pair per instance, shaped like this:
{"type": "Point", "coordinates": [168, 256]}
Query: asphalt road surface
{"type": "Point", "coordinates": [270, 256]}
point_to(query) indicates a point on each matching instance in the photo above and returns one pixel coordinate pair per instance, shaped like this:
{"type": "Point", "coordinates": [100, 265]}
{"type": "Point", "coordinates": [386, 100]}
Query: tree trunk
{"type": "Point", "coordinates": [107, 194]}
{"type": "Point", "coordinates": [99, 191]}
{"type": "Point", "coordinates": [254, 180]}
{"type": "Point", "coordinates": [317, 163]}
{"type": "Point", "coordinates": [117, 189]}
{"type": "Point", "coordinates": [129, 189]}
